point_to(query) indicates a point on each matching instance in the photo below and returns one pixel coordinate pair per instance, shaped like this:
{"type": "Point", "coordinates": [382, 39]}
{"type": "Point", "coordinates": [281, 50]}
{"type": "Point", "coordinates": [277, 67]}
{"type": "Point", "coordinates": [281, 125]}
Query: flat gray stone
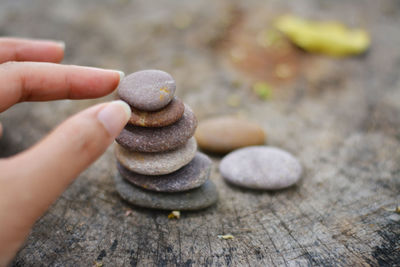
{"type": "Point", "coordinates": [141, 139]}
{"type": "Point", "coordinates": [147, 90]}
{"type": "Point", "coordinates": [195, 199]}
{"type": "Point", "coordinates": [188, 177]}
{"type": "Point", "coordinates": [261, 167]}
{"type": "Point", "coordinates": [156, 163]}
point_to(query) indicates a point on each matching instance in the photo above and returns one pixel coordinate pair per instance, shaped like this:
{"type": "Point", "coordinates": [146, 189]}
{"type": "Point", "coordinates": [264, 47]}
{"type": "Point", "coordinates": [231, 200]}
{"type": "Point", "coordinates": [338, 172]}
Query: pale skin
{"type": "Point", "coordinates": [32, 180]}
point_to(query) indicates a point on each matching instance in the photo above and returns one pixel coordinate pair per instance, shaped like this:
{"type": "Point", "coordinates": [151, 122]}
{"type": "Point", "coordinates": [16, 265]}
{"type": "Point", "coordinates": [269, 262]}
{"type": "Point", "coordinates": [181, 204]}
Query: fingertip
{"type": "Point", "coordinates": [121, 75]}
{"type": "Point", "coordinates": [61, 53]}
{"type": "Point", "coordinates": [96, 82]}
{"type": "Point", "coordinates": [126, 108]}
{"type": "Point", "coordinates": [114, 117]}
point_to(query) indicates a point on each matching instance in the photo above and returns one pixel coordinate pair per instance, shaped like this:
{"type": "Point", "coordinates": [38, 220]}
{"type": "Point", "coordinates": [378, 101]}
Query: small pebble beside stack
{"type": "Point", "coordinates": [158, 163]}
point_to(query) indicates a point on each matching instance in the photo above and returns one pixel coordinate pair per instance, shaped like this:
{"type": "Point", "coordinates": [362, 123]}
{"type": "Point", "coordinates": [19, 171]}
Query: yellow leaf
{"type": "Point", "coordinates": [226, 236]}
{"type": "Point", "coordinates": [331, 38]}
{"type": "Point", "coordinates": [174, 215]}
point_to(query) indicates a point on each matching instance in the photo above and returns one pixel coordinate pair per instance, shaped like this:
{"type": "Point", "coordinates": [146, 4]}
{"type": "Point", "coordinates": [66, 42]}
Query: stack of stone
{"type": "Point", "coordinates": [157, 159]}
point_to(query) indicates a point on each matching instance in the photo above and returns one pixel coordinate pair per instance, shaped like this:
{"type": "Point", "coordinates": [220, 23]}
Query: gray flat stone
{"type": "Point", "coordinates": [156, 163]}
{"type": "Point", "coordinates": [261, 167]}
{"type": "Point", "coordinates": [195, 199]}
{"type": "Point", "coordinates": [141, 139]}
{"type": "Point", "coordinates": [147, 90]}
{"type": "Point", "coordinates": [188, 177]}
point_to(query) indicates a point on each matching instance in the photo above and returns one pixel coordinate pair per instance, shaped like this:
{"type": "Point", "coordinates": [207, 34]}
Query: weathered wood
{"type": "Point", "coordinates": [340, 117]}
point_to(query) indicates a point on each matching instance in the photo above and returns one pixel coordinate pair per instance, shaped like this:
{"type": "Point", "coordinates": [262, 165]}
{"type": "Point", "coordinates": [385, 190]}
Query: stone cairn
{"type": "Point", "coordinates": [157, 159]}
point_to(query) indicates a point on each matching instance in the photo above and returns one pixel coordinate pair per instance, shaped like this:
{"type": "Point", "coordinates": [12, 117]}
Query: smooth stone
{"type": "Point", "coordinates": [147, 90]}
{"type": "Point", "coordinates": [166, 116]}
{"type": "Point", "coordinates": [261, 167]}
{"type": "Point", "coordinates": [191, 176]}
{"type": "Point", "coordinates": [141, 139]}
{"type": "Point", "coordinates": [156, 163]}
{"type": "Point", "coordinates": [225, 134]}
{"type": "Point", "coordinates": [195, 199]}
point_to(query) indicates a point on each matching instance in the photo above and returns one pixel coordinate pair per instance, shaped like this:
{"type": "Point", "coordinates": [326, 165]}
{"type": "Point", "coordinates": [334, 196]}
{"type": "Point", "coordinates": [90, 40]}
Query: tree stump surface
{"type": "Point", "coordinates": [340, 117]}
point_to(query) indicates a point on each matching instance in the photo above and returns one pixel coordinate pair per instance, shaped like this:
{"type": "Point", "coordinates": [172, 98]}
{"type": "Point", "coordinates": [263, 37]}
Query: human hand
{"type": "Point", "coordinates": [32, 180]}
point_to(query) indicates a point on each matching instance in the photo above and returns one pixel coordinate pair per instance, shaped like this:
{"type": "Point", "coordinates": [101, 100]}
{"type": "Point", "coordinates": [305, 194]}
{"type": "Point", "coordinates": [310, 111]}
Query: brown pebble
{"type": "Point", "coordinates": [225, 134]}
{"type": "Point", "coordinates": [166, 116]}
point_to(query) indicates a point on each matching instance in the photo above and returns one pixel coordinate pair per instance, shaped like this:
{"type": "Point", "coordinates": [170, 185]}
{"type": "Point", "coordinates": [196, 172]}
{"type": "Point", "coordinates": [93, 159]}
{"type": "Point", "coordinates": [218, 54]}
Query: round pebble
{"type": "Point", "coordinates": [141, 139]}
{"type": "Point", "coordinates": [195, 199]}
{"type": "Point", "coordinates": [261, 167]}
{"type": "Point", "coordinates": [156, 163]}
{"type": "Point", "coordinates": [225, 134]}
{"type": "Point", "coordinates": [190, 176]}
{"type": "Point", "coordinates": [166, 116]}
{"type": "Point", "coordinates": [147, 90]}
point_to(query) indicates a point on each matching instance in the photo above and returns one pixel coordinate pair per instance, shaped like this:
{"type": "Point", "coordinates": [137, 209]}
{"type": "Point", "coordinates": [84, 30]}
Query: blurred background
{"type": "Point", "coordinates": [339, 115]}
{"type": "Point", "coordinates": [226, 56]}
{"type": "Point", "coordinates": [215, 51]}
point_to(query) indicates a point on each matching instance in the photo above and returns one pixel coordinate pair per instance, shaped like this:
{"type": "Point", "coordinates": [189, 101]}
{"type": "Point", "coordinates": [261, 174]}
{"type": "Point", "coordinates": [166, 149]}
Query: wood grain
{"type": "Point", "coordinates": [340, 117]}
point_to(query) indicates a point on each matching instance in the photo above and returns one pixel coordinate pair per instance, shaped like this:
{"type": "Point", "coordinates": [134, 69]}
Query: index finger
{"type": "Point", "coordinates": [33, 81]}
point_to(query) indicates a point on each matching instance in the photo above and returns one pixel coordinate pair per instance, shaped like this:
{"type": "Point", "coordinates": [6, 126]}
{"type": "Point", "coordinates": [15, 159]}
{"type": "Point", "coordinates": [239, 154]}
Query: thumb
{"type": "Point", "coordinates": [32, 180]}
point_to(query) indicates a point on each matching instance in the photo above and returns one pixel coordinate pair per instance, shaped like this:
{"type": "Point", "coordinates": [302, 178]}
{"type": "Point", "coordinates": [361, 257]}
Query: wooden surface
{"type": "Point", "coordinates": [340, 117]}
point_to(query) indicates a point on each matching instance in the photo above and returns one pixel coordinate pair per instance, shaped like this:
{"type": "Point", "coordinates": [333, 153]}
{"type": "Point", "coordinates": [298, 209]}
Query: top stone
{"type": "Point", "coordinates": [147, 90]}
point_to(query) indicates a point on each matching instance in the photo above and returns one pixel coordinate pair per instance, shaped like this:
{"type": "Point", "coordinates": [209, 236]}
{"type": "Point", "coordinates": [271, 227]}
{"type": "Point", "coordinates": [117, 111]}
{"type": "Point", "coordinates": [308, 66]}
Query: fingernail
{"type": "Point", "coordinates": [61, 44]}
{"type": "Point", "coordinates": [121, 76]}
{"type": "Point", "coordinates": [114, 116]}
